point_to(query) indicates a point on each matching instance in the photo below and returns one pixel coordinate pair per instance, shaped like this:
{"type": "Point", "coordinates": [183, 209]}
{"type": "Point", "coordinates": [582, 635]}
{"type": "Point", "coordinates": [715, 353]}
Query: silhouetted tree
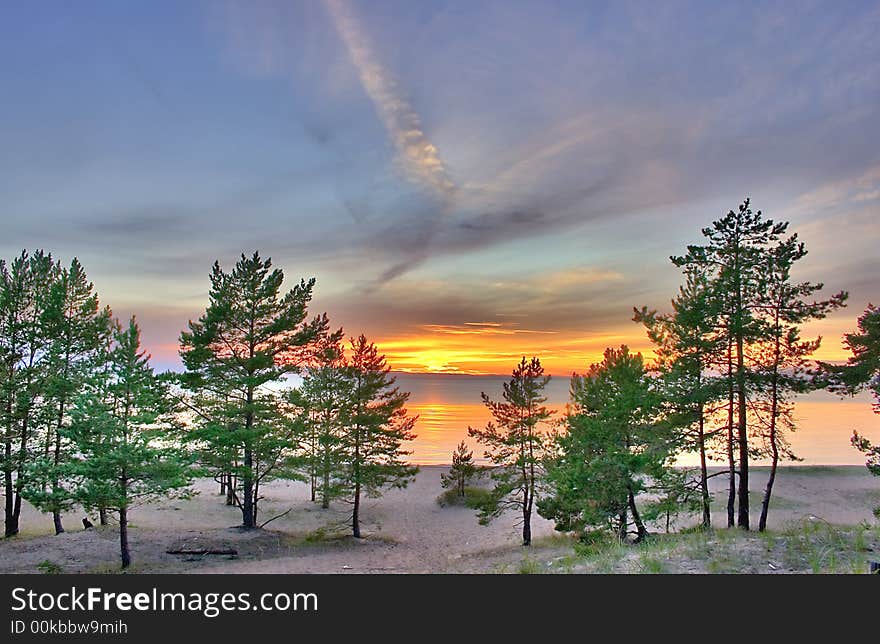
{"type": "Point", "coordinates": [514, 442]}
{"type": "Point", "coordinates": [735, 254]}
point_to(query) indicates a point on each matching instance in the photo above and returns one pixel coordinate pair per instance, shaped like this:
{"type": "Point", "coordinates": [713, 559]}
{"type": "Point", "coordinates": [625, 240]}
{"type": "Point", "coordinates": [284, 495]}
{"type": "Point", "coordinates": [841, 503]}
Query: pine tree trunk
{"type": "Point", "coordinates": [248, 502]}
{"type": "Point", "coordinates": [704, 475]}
{"type": "Point", "coordinates": [56, 485]}
{"type": "Point", "coordinates": [774, 446]}
{"type": "Point", "coordinates": [16, 510]}
{"type": "Point", "coordinates": [56, 521]}
{"type": "Point", "coordinates": [765, 504]}
{"type": "Point", "coordinates": [123, 537]}
{"type": "Point", "coordinates": [527, 519]}
{"type": "Point", "coordinates": [742, 519]}
{"type": "Point", "coordinates": [230, 490]}
{"type": "Point", "coordinates": [622, 526]}
{"type": "Point", "coordinates": [731, 462]}
{"type": "Point", "coordinates": [56, 459]}
{"type": "Point", "coordinates": [325, 489]}
{"type": "Point", "coordinates": [642, 532]}
{"type": "Point", "coordinates": [247, 506]}
{"type": "Point", "coordinates": [11, 521]}
{"type": "Point", "coordinates": [102, 516]}
{"type": "Point", "coordinates": [256, 500]}
{"type": "Point", "coordinates": [11, 524]}
{"type": "Point", "coordinates": [22, 459]}
{"type": "Point", "coordinates": [355, 514]}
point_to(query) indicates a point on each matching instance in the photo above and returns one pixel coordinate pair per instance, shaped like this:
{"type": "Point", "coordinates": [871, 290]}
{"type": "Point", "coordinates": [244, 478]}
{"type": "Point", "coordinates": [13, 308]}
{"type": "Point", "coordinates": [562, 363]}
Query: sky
{"type": "Point", "coordinates": [468, 181]}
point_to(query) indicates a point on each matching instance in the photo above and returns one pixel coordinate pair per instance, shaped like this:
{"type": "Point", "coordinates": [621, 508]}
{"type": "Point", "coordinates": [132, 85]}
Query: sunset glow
{"type": "Point", "coordinates": [469, 183]}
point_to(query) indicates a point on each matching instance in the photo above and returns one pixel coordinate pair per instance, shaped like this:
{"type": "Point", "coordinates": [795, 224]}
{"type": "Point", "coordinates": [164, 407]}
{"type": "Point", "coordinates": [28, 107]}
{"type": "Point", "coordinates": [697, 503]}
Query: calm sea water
{"type": "Point", "coordinates": [448, 404]}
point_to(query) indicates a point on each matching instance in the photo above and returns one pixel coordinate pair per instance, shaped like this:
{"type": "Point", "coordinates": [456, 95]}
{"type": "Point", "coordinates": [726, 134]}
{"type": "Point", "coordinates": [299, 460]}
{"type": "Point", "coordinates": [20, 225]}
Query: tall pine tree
{"type": "Point", "coordinates": [783, 357]}
{"type": "Point", "coordinates": [249, 338]}
{"type": "Point", "coordinates": [77, 330]}
{"type": "Point", "coordinates": [375, 425]}
{"type": "Point", "coordinates": [25, 285]}
{"type": "Point", "coordinates": [515, 443]}
{"type": "Point", "coordinates": [735, 252]}
{"type": "Point", "coordinates": [686, 345]}
{"type": "Point", "coordinates": [120, 427]}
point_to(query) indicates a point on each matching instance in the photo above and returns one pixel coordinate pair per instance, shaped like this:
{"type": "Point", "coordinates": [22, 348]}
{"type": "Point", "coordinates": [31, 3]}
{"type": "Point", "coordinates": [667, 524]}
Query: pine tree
{"type": "Point", "coordinates": [25, 285]}
{"type": "Point", "coordinates": [375, 424]}
{"type": "Point", "coordinates": [515, 442]}
{"type": "Point", "coordinates": [463, 469]}
{"type": "Point", "coordinates": [686, 344]}
{"type": "Point", "coordinates": [321, 400]}
{"type": "Point", "coordinates": [120, 427]}
{"type": "Point", "coordinates": [735, 253]}
{"type": "Point", "coordinates": [783, 356]}
{"type": "Point", "coordinates": [861, 372]}
{"type": "Point", "coordinates": [76, 330]}
{"type": "Point", "coordinates": [249, 338]}
{"type": "Point", "coordinates": [615, 440]}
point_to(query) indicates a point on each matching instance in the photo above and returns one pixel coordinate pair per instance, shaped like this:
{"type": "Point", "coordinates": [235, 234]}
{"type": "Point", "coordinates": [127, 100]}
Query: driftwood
{"type": "Point", "coordinates": [277, 516]}
{"type": "Point", "coordinates": [203, 551]}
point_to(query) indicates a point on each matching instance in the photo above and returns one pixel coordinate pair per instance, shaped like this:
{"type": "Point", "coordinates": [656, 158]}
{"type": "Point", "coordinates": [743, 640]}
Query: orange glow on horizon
{"type": "Point", "coordinates": [492, 348]}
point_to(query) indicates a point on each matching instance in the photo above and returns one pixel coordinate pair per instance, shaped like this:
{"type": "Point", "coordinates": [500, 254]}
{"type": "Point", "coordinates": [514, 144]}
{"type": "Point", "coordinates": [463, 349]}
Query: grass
{"type": "Point", "coordinates": [473, 497]}
{"type": "Point", "coordinates": [49, 567]}
{"type": "Point", "coordinates": [808, 546]}
{"type": "Point", "coordinates": [529, 566]}
{"type": "Point", "coordinates": [823, 548]}
{"type": "Point", "coordinates": [650, 564]}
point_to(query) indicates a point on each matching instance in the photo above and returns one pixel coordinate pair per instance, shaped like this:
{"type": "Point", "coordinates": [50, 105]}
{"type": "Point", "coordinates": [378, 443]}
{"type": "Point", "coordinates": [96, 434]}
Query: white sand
{"type": "Point", "coordinates": [406, 530]}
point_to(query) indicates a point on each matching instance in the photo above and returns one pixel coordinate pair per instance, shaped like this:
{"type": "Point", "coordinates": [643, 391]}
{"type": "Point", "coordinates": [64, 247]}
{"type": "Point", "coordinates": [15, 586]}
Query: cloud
{"type": "Point", "coordinates": [417, 155]}
{"type": "Point", "coordinates": [861, 188]}
{"type": "Point", "coordinates": [483, 329]}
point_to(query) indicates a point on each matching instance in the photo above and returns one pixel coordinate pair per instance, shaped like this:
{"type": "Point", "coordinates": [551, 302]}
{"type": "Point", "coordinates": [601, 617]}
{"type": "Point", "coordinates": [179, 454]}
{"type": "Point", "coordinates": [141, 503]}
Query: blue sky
{"type": "Point", "coordinates": [527, 166]}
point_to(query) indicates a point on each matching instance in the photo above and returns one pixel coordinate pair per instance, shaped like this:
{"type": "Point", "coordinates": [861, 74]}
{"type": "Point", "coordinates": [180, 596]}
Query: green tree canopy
{"type": "Point", "coordinates": [515, 442]}
{"type": "Point", "coordinates": [121, 427]}
{"type": "Point", "coordinates": [249, 339]}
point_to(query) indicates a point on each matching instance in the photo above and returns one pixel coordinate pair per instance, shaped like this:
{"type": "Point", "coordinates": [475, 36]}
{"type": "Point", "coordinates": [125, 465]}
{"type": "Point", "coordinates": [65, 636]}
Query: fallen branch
{"type": "Point", "coordinates": [203, 551]}
{"type": "Point", "coordinates": [278, 516]}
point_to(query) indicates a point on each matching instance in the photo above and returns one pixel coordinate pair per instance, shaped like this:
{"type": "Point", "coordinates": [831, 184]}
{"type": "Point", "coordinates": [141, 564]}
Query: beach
{"type": "Point", "coordinates": [406, 530]}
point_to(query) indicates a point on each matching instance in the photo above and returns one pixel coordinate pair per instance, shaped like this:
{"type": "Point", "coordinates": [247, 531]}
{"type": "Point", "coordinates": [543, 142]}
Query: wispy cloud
{"type": "Point", "coordinates": [483, 328]}
{"type": "Point", "coordinates": [864, 187]}
{"type": "Point", "coordinates": [417, 155]}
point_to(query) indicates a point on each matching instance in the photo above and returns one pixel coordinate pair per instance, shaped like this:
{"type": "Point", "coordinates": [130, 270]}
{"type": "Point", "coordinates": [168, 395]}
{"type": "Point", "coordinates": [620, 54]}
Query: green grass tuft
{"type": "Point", "coordinates": [49, 567]}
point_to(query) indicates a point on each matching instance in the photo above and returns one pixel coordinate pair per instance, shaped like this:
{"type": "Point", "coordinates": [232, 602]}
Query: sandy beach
{"type": "Point", "coordinates": [406, 531]}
